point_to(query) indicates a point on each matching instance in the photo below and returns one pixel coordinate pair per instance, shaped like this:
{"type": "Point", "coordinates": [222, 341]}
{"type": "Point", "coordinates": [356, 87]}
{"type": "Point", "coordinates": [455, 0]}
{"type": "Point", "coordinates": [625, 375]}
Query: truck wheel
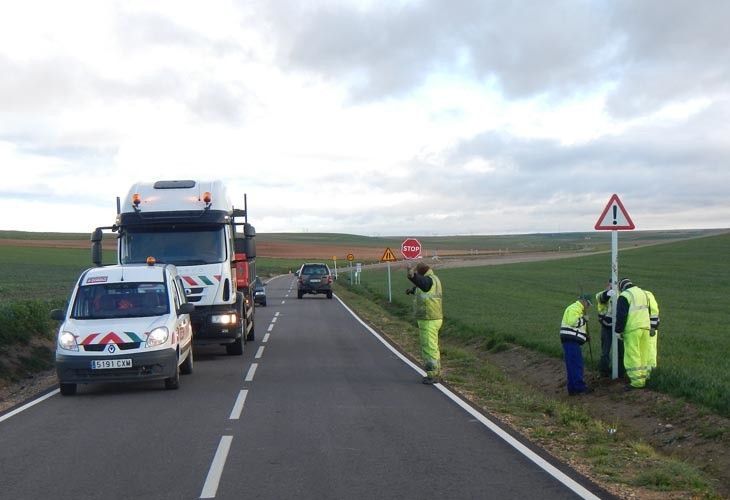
{"type": "Point", "coordinates": [173, 382]}
{"type": "Point", "coordinates": [235, 349]}
{"type": "Point", "coordinates": [186, 368]}
{"type": "Point", "coordinates": [67, 389]}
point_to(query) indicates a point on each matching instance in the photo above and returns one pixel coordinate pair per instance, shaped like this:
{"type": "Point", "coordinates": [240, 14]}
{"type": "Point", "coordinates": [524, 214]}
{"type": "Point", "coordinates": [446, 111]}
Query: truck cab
{"type": "Point", "coordinates": [125, 323]}
{"type": "Point", "coordinates": [194, 226]}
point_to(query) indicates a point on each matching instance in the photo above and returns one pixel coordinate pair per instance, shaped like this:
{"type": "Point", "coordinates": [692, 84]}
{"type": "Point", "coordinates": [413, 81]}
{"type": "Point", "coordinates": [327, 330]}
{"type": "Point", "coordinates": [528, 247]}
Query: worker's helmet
{"type": "Point", "coordinates": [624, 284]}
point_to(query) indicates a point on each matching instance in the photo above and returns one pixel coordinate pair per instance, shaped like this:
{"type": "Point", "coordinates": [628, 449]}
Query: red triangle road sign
{"type": "Point", "coordinates": [614, 217]}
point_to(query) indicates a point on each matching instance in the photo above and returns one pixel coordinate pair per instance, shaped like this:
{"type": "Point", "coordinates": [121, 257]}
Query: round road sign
{"type": "Point", "coordinates": [411, 248]}
{"type": "Point", "coordinates": [350, 257]}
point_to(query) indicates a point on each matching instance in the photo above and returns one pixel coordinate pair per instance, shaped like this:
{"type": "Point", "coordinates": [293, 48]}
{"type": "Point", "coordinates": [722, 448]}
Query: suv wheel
{"type": "Point", "coordinates": [329, 294]}
{"type": "Point", "coordinates": [235, 349]}
{"type": "Point", "coordinates": [299, 294]}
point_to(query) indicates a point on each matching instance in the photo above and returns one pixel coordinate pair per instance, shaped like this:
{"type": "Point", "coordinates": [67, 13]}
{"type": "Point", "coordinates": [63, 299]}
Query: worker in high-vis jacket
{"type": "Point", "coordinates": [573, 334]}
{"type": "Point", "coordinates": [651, 349]}
{"type": "Point", "coordinates": [633, 324]}
{"type": "Point", "coordinates": [605, 319]}
{"type": "Point", "coordinates": [429, 315]}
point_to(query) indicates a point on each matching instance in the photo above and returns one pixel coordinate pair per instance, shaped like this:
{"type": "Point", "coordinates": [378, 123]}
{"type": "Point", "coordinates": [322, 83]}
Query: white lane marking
{"type": "Point", "coordinates": [251, 372]}
{"type": "Point", "coordinates": [266, 338]}
{"type": "Point", "coordinates": [283, 301]}
{"type": "Point", "coordinates": [259, 353]}
{"type": "Point", "coordinates": [273, 320]}
{"type": "Point", "coordinates": [271, 327]}
{"type": "Point", "coordinates": [528, 453]}
{"type": "Point", "coordinates": [210, 488]}
{"type": "Point", "coordinates": [276, 314]}
{"type": "Point", "coordinates": [29, 404]}
{"type": "Point", "coordinates": [238, 406]}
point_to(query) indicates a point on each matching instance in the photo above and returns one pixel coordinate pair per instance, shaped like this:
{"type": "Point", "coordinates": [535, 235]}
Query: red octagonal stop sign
{"type": "Point", "coordinates": [411, 248]}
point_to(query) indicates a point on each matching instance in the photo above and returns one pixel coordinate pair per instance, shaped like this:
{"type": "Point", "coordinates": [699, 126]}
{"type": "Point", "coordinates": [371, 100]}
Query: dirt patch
{"type": "Point", "coordinates": [672, 427]}
{"type": "Point", "coordinates": [30, 384]}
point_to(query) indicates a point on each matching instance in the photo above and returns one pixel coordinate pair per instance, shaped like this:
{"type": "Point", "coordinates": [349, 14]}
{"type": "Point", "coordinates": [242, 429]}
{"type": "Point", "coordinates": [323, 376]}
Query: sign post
{"type": "Point", "coordinates": [614, 218]}
{"type": "Point", "coordinates": [334, 260]}
{"type": "Point", "coordinates": [389, 256]}
{"type": "Point", "coordinates": [350, 258]}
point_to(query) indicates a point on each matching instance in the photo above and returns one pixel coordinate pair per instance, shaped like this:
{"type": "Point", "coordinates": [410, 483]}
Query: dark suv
{"type": "Point", "coordinates": [314, 278]}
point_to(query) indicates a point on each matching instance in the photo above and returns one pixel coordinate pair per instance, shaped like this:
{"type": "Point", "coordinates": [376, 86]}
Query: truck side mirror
{"type": "Point", "coordinates": [58, 314]}
{"type": "Point", "coordinates": [96, 238]}
{"type": "Point", "coordinates": [186, 308]}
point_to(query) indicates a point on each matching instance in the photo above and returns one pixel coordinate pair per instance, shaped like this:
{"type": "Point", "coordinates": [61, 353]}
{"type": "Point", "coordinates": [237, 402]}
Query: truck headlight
{"type": "Point", "coordinates": [158, 336]}
{"type": "Point", "coordinates": [223, 319]}
{"type": "Point", "coordinates": [67, 340]}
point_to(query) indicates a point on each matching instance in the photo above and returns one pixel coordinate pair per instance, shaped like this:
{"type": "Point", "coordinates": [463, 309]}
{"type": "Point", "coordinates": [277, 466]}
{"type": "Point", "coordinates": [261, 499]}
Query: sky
{"type": "Point", "coordinates": [379, 118]}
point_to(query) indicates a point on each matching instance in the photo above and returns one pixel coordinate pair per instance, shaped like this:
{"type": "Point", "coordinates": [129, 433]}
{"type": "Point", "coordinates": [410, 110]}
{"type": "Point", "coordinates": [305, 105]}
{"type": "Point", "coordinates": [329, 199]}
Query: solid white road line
{"type": "Point", "coordinates": [266, 338]}
{"type": "Point", "coordinates": [259, 353]}
{"type": "Point", "coordinates": [238, 406]}
{"type": "Point", "coordinates": [29, 404]}
{"type": "Point", "coordinates": [251, 372]}
{"type": "Point", "coordinates": [216, 468]}
{"type": "Point", "coordinates": [531, 455]}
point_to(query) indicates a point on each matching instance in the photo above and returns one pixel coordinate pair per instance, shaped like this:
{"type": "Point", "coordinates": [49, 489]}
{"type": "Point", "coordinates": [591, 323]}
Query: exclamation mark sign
{"type": "Point", "coordinates": [615, 212]}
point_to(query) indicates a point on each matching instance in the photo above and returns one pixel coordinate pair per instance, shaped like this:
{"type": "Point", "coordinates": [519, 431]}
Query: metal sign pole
{"type": "Point", "coordinates": [614, 299]}
{"type": "Point", "coordinates": [390, 293]}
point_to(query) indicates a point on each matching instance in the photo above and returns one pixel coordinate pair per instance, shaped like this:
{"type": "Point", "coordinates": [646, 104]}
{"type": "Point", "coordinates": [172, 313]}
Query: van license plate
{"type": "Point", "coordinates": [110, 364]}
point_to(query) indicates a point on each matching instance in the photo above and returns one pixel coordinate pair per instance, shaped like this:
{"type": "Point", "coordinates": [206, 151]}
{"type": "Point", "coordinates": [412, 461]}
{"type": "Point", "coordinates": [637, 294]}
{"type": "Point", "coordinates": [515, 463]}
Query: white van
{"type": "Point", "coordinates": [125, 323]}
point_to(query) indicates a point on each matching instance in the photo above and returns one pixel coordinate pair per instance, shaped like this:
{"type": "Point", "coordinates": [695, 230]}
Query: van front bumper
{"type": "Point", "coordinates": [152, 365]}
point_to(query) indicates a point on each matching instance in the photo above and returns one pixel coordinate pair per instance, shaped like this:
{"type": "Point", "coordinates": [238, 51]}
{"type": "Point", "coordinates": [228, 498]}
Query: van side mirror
{"type": "Point", "coordinates": [186, 308]}
{"type": "Point", "coordinates": [58, 314]}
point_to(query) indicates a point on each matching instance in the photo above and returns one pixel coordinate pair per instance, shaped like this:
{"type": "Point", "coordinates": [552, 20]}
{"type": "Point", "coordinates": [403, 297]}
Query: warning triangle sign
{"type": "Point", "coordinates": [614, 217]}
{"type": "Point", "coordinates": [388, 256]}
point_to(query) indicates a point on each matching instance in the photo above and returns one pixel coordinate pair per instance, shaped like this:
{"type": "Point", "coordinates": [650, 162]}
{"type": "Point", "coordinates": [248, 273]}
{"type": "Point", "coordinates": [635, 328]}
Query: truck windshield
{"type": "Point", "coordinates": [179, 246]}
{"type": "Point", "coordinates": [120, 300]}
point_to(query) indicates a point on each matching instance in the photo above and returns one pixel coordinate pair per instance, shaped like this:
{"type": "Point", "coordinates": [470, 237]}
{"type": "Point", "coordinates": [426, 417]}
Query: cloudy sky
{"type": "Point", "coordinates": [371, 117]}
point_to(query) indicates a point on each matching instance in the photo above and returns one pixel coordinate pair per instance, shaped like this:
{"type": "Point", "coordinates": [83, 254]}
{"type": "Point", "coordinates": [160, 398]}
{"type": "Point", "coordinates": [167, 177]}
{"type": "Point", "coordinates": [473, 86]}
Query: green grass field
{"type": "Point", "coordinates": [523, 303]}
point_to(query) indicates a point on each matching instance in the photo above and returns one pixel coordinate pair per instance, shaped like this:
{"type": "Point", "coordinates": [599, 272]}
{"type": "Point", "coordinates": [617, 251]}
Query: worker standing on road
{"type": "Point", "coordinates": [429, 315]}
{"type": "Point", "coordinates": [651, 351]}
{"type": "Point", "coordinates": [603, 308]}
{"type": "Point", "coordinates": [573, 334]}
{"type": "Point", "coordinates": [632, 320]}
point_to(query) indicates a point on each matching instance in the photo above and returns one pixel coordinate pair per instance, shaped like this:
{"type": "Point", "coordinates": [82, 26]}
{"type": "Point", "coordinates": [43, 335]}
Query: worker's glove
{"type": "Point", "coordinates": [611, 292]}
{"type": "Point", "coordinates": [652, 333]}
{"type": "Point", "coordinates": [410, 291]}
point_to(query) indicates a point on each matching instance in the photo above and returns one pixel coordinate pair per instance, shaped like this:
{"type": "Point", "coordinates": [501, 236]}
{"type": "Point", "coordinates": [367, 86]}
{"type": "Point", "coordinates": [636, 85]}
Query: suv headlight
{"type": "Point", "coordinates": [67, 341]}
{"type": "Point", "coordinates": [158, 336]}
{"type": "Point", "coordinates": [223, 319]}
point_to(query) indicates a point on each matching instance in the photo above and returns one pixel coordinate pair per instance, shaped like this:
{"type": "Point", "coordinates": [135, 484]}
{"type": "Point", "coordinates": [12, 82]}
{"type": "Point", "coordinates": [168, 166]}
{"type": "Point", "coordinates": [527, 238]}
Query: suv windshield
{"type": "Point", "coordinates": [179, 246]}
{"type": "Point", "coordinates": [120, 300]}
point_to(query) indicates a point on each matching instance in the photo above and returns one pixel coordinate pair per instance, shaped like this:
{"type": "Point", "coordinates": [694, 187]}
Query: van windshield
{"type": "Point", "coordinates": [179, 246]}
{"type": "Point", "coordinates": [120, 300]}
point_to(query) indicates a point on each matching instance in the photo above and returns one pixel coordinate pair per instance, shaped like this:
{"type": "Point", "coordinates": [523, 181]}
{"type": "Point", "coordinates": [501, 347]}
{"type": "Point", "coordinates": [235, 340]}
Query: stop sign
{"type": "Point", "coordinates": [411, 248]}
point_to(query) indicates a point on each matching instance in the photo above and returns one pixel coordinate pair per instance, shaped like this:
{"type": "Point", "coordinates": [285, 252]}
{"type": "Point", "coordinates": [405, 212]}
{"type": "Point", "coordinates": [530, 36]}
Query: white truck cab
{"type": "Point", "coordinates": [125, 323]}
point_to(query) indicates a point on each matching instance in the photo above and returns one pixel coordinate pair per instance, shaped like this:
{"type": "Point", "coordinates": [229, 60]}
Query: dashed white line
{"type": "Point", "coordinates": [259, 353]}
{"type": "Point", "coordinates": [276, 314]}
{"type": "Point", "coordinates": [210, 488]}
{"type": "Point", "coordinates": [251, 372]}
{"type": "Point", "coordinates": [266, 338]}
{"type": "Point", "coordinates": [271, 327]}
{"type": "Point", "coordinates": [238, 406]}
{"type": "Point", "coordinates": [283, 301]}
{"type": "Point", "coordinates": [273, 320]}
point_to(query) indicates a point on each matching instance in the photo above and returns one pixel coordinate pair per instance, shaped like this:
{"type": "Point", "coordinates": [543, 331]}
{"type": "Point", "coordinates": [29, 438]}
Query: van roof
{"type": "Point", "coordinates": [129, 272]}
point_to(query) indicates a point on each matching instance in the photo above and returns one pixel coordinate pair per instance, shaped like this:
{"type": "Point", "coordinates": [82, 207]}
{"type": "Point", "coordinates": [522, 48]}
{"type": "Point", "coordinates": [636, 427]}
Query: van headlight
{"type": "Point", "coordinates": [223, 319]}
{"type": "Point", "coordinates": [67, 341]}
{"type": "Point", "coordinates": [158, 336]}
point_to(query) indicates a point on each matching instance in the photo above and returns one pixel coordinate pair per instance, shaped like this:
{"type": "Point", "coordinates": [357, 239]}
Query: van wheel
{"type": "Point", "coordinates": [186, 368]}
{"type": "Point", "coordinates": [67, 389]}
{"type": "Point", "coordinates": [235, 349]}
{"type": "Point", "coordinates": [173, 382]}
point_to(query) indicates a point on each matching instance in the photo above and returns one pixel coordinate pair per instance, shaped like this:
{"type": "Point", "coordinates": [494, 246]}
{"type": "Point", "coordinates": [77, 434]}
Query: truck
{"type": "Point", "coordinates": [194, 225]}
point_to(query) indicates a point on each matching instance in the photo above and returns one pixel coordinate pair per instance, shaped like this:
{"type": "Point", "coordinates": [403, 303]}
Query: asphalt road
{"type": "Point", "coordinates": [317, 407]}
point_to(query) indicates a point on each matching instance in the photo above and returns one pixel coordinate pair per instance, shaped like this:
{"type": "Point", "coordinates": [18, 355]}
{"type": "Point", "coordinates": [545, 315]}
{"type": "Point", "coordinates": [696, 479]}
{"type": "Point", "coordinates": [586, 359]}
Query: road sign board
{"type": "Point", "coordinates": [350, 257]}
{"type": "Point", "coordinates": [388, 256]}
{"type": "Point", "coordinates": [614, 217]}
{"type": "Point", "coordinates": [411, 248]}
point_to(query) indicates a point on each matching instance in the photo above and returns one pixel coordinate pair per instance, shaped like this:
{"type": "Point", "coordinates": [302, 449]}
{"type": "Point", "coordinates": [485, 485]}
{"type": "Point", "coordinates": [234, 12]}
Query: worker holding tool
{"type": "Point", "coordinates": [603, 309]}
{"type": "Point", "coordinates": [429, 315]}
{"type": "Point", "coordinates": [633, 323]}
{"type": "Point", "coordinates": [573, 334]}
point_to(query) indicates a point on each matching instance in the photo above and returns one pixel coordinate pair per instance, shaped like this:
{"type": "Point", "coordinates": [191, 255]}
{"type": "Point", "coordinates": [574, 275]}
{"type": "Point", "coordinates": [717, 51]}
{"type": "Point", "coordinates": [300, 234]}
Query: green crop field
{"type": "Point", "coordinates": [524, 303]}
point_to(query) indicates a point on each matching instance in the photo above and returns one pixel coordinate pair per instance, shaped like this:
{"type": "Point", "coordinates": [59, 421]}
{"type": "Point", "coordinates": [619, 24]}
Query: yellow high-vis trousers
{"type": "Point", "coordinates": [428, 330]}
{"type": "Point", "coordinates": [636, 350]}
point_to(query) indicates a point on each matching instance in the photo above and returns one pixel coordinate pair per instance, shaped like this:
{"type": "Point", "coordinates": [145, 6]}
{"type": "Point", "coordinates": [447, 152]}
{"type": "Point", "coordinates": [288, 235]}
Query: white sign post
{"type": "Point", "coordinates": [614, 218]}
{"type": "Point", "coordinates": [389, 256]}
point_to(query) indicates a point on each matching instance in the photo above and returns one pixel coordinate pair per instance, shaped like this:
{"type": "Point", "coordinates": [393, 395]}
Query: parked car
{"type": "Point", "coordinates": [259, 292]}
{"type": "Point", "coordinates": [125, 323]}
{"type": "Point", "coordinates": [314, 278]}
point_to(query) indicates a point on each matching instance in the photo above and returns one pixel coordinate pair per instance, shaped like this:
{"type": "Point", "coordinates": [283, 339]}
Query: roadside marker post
{"type": "Point", "coordinates": [614, 218]}
{"type": "Point", "coordinates": [334, 260]}
{"type": "Point", "coordinates": [389, 256]}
